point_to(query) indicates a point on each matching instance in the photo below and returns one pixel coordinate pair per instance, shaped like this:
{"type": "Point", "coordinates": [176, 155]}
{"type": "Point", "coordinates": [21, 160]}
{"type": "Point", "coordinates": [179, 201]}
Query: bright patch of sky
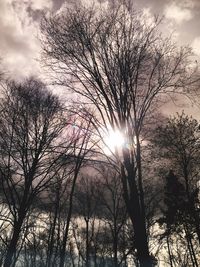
{"type": "Point", "coordinates": [178, 13]}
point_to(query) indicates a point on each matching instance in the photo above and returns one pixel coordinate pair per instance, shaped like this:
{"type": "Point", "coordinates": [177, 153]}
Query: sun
{"type": "Point", "coordinates": [113, 140]}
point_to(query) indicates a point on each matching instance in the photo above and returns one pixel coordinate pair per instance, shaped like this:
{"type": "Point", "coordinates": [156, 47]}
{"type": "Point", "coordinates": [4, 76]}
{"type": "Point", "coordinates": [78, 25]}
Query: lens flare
{"type": "Point", "coordinates": [113, 140]}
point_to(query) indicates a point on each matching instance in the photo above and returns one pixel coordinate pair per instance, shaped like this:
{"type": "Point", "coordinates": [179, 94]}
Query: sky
{"type": "Point", "coordinates": [20, 22]}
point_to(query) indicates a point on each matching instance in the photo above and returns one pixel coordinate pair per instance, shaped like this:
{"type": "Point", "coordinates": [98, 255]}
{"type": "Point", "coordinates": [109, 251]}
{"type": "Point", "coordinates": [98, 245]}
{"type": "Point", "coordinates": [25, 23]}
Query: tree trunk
{"type": "Point", "coordinates": [115, 248]}
{"type": "Point", "coordinates": [138, 222]}
{"type": "Point", "coordinates": [140, 235]}
{"type": "Point", "coordinates": [192, 204]}
{"type": "Point", "coordinates": [65, 236]}
{"type": "Point", "coordinates": [134, 199]}
{"type": "Point", "coordinates": [12, 247]}
{"type": "Point", "coordinates": [87, 243]}
{"type": "Point", "coordinates": [190, 248]}
{"type": "Point", "coordinates": [169, 252]}
{"type": "Point", "coordinates": [52, 232]}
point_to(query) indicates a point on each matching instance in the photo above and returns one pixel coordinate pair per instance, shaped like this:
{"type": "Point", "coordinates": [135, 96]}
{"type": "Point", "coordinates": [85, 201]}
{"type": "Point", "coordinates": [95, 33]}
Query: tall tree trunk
{"type": "Point", "coordinates": [169, 252]}
{"type": "Point", "coordinates": [192, 204]}
{"type": "Point", "coordinates": [140, 236]}
{"type": "Point", "coordinates": [65, 236]}
{"type": "Point", "coordinates": [143, 249]}
{"type": "Point", "coordinates": [115, 248]}
{"type": "Point", "coordinates": [190, 248]}
{"type": "Point", "coordinates": [52, 232]}
{"type": "Point", "coordinates": [87, 243]}
{"type": "Point", "coordinates": [138, 221]}
{"type": "Point", "coordinates": [134, 198]}
{"type": "Point", "coordinates": [12, 247]}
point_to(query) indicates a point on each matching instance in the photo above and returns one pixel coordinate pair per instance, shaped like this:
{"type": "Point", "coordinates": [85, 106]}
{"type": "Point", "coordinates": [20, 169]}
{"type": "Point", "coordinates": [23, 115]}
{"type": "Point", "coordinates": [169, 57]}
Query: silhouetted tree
{"type": "Point", "coordinates": [176, 215]}
{"type": "Point", "coordinates": [119, 62]}
{"type": "Point", "coordinates": [31, 149]}
{"type": "Point", "coordinates": [179, 144]}
{"type": "Point", "coordinates": [113, 210]}
{"type": "Point", "coordinates": [175, 201]}
{"type": "Point", "coordinates": [82, 152]}
{"type": "Point", "coordinates": [87, 200]}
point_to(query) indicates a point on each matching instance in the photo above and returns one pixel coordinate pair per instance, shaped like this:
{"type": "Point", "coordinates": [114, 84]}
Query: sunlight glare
{"type": "Point", "coordinates": [113, 140]}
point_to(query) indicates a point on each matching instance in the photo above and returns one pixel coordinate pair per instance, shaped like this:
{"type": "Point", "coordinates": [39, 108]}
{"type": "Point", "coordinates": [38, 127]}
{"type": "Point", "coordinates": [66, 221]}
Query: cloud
{"type": "Point", "coordinates": [20, 19]}
{"type": "Point", "coordinates": [40, 4]}
{"type": "Point", "coordinates": [196, 45]}
{"type": "Point", "coordinates": [179, 12]}
{"type": "Point", "coordinates": [189, 3]}
{"type": "Point", "coordinates": [148, 16]}
{"type": "Point", "coordinates": [20, 25]}
{"type": "Point", "coordinates": [19, 46]}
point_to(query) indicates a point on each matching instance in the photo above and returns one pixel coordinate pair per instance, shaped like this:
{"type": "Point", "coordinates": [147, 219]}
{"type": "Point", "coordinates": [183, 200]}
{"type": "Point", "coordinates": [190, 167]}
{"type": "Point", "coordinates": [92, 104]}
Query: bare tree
{"type": "Point", "coordinates": [178, 142]}
{"type": "Point", "coordinates": [113, 209]}
{"type": "Point", "coordinates": [120, 63]}
{"type": "Point", "coordinates": [58, 194]}
{"type": "Point", "coordinates": [87, 201]}
{"type": "Point", "coordinates": [31, 127]}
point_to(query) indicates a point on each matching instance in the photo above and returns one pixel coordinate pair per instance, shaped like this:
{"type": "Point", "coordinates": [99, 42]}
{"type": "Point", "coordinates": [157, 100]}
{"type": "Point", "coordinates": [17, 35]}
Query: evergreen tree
{"type": "Point", "coordinates": [175, 203]}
